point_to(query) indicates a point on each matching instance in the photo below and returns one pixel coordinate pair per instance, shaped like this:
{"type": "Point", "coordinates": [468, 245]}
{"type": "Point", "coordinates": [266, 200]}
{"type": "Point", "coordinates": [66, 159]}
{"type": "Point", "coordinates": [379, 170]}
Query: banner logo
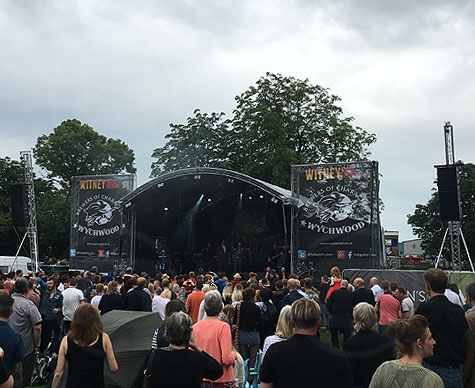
{"type": "Point", "coordinates": [98, 213]}
{"type": "Point", "coordinates": [94, 213]}
{"type": "Point", "coordinates": [331, 204]}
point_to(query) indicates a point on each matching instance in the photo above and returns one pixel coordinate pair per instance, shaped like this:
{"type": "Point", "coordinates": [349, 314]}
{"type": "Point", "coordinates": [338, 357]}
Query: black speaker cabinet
{"type": "Point", "coordinates": [19, 203]}
{"type": "Point", "coordinates": [448, 193]}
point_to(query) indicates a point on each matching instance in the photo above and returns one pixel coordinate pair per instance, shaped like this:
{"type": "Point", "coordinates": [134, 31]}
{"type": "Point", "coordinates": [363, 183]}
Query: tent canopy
{"type": "Point", "coordinates": [131, 336]}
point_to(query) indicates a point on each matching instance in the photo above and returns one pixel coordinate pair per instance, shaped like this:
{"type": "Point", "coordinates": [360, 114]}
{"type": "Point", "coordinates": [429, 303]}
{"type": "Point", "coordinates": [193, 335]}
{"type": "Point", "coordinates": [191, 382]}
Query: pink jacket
{"type": "Point", "coordinates": [214, 337]}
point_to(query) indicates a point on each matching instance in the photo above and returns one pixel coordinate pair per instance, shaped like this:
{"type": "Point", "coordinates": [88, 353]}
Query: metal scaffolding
{"type": "Point", "coordinates": [32, 230]}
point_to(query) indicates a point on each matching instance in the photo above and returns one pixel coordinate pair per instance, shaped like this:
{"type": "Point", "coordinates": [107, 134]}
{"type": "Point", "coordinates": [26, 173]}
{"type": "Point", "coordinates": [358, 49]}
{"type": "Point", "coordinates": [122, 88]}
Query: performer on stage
{"type": "Point", "coordinates": [208, 262]}
{"type": "Point", "coordinates": [275, 256]}
{"type": "Point", "coordinates": [222, 256]}
{"type": "Point", "coordinates": [238, 257]}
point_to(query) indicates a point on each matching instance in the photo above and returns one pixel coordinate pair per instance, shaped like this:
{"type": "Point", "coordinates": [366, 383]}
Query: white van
{"type": "Point", "coordinates": [8, 264]}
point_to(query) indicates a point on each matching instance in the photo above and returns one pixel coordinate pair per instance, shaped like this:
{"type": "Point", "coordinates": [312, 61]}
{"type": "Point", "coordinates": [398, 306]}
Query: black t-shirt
{"type": "Point", "coordinates": [4, 371]}
{"type": "Point", "coordinates": [323, 288]}
{"type": "Point", "coordinates": [172, 368]}
{"type": "Point", "coordinates": [250, 316]}
{"type": "Point", "coordinates": [138, 300]}
{"type": "Point", "coordinates": [111, 302]}
{"type": "Point", "coordinates": [447, 324]}
{"type": "Point", "coordinates": [340, 305]}
{"type": "Point", "coordinates": [304, 361]}
{"type": "Point", "coordinates": [365, 352]}
{"type": "Point", "coordinates": [363, 295]}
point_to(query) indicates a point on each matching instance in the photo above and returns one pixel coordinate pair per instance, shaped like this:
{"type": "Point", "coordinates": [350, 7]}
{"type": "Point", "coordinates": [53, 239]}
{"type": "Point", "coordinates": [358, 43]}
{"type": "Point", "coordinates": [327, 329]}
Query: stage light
{"type": "Point", "coordinates": [240, 196]}
{"type": "Point", "coordinates": [250, 197]}
{"type": "Point", "coordinates": [261, 196]}
{"type": "Point", "coordinates": [209, 199]}
{"type": "Point", "coordinates": [201, 198]}
{"type": "Point", "coordinates": [165, 208]}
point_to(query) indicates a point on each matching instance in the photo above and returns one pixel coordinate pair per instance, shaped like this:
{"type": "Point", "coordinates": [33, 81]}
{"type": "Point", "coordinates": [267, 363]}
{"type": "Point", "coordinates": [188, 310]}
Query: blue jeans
{"type": "Point", "coordinates": [452, 377]}
{"type": "Point", "coordinates": [382, 329]}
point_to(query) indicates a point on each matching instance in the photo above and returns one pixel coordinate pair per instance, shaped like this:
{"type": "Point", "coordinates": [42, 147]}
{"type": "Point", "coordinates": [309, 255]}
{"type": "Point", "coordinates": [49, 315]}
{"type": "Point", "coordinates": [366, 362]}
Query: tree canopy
{"type": "Point", "coordinates": [71, 149]}
{"type": "Point", "coordinates": [76, 149]}
{"type": "Point", "coordinates": [11, 172]}
{"type": "Point", "coordinates": [425, 220]}
{"type": "Point", "coordinates": [278, 122]}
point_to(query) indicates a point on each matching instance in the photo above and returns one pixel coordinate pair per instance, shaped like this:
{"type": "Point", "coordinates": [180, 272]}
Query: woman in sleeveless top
{"type": "Point", "coordinates": [85, 348]}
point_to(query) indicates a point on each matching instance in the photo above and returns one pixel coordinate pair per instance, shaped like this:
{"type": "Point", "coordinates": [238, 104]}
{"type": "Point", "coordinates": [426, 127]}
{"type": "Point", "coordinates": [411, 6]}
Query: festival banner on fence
{"type": "Point", "coordinates": [412, 281]}
{"type": "Point", "coordinates": [96, 221]}
{"type": "Point", "coordinates": [337, 212]}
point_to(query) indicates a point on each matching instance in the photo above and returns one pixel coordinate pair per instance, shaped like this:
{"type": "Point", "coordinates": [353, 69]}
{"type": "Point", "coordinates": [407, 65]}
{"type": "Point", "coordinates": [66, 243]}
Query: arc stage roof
{"type": "Point", "coordinates": [217, 182]}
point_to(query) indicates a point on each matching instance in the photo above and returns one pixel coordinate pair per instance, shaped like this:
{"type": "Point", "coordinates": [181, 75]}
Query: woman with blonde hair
{"type": "Point", "coordinates": [236, 296]}
{"type": "Point", "coordinates": [112, 299]}
{"type": "Point", "coordinates": [85, 347]}
{"type": "Point", "coordinates": [159, 302]}
{"type": "Point", "coordinates": [227, 293]}
{"type": "Point", "coordinates": [367, 349]}
{"type": "Point", "coordinates": [283, 330]}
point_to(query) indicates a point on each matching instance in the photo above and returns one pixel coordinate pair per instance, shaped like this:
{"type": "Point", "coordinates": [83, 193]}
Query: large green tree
{"type": "Point", "coordinates": [426, 223]}
{"type": "Point", "coordinates": [277, 122]}
{"type": "Point", "coordinates": [202, 141]}
{"type": "Point", "coordinates": [77, 149]}
{"type": "Point", "coordinates": [11, 172]}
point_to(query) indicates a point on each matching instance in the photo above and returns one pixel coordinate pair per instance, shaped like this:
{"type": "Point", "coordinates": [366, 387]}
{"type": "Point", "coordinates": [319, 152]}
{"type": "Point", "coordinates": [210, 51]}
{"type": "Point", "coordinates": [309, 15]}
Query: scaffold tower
{"type": "Point", "coordinates": [32, 230]}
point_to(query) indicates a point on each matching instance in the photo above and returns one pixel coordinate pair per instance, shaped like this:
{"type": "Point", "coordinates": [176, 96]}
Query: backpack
{"type": "Point", "coordinates": [43, 372]}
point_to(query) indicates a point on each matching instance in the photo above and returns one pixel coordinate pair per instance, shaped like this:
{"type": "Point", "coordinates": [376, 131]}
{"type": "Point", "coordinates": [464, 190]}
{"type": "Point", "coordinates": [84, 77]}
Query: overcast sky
{"type": "Point", "coordinates": [129, 68]}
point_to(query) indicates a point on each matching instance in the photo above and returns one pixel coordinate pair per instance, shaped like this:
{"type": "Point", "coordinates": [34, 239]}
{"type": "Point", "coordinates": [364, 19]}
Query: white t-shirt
{"type": "Point", "coordinates": [158, 305]}
{"type": "Point", "coordinates": [71, 299]}
{"type": "Point", "coordinates": [270, 340]}
{"type": "Point", "coordinates": [452, 297]}
{"type": "Point", "coordinates": [376, 291]}
{"type": "Point", "coordinates": [408, 305]}
{"type": "Point", "coordinates": [96, 300]}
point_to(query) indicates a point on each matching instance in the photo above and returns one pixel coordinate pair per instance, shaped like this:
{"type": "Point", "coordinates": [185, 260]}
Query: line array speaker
{"type": "Point", "coordinates": [19, 204]}
{"type": "Point", "coordinates": [448, 193]}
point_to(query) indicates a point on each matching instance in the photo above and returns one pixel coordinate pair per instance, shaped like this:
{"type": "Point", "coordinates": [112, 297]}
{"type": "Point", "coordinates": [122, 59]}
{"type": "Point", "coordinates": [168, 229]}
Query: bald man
{"type": "Point", "coordinates": [137, 299]}
{"type": "Point", "coordinates": [362, 294]}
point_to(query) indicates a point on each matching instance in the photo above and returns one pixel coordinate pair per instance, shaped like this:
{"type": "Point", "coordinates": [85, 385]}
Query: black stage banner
{"type": "Point", "coordinates": [96, 221]}
{"type": "Point", "coordinates": [412, 281]}
{"type": "Point", "coordinates": [337, 211]}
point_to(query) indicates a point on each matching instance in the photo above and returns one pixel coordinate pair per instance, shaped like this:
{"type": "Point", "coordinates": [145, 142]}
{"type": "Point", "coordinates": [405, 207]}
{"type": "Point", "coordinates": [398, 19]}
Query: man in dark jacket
{"type": "Point", "coordinates": [138, 299]}
{"type": "Point", "coordinates": [293, 295]}
{"type": "Point", "coordinates": [51, 307]}
{"type": "Point", "coordinates": [362, 294]}
{"type": "Point", "coordinates": [340, 306]}
{"type": "Point", "coordinates": [447, 324]}
{"type": "Point", "coordinates": [304, 361]}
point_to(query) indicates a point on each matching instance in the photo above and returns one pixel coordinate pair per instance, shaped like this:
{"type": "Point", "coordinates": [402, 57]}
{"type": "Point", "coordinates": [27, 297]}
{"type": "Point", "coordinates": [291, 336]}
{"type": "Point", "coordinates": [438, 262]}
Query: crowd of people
{"type": "Point", "coordinates": [220, 332]}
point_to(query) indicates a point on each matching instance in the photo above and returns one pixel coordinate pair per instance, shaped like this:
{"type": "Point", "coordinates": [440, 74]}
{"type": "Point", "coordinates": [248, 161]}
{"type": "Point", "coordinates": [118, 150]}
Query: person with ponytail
{"type": "Point", "coordinates": [414, 342]}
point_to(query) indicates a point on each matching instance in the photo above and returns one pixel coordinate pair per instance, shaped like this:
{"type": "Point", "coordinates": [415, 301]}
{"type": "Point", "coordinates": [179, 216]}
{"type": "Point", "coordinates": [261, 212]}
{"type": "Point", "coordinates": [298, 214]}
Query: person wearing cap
{"type": "Point", "coordinates": [237, 279]}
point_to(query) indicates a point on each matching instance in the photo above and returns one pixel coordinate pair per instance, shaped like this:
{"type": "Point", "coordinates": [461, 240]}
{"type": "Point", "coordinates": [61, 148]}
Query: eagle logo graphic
{"type": "Point", "coordinates": [98, 213]}
{"type": "Point", "coordinates": [335, 206]}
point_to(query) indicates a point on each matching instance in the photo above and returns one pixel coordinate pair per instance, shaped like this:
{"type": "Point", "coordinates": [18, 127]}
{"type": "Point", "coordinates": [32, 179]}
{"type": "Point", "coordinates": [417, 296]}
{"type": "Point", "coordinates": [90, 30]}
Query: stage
{"type": "Point", "coordinates": [205, 219]}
